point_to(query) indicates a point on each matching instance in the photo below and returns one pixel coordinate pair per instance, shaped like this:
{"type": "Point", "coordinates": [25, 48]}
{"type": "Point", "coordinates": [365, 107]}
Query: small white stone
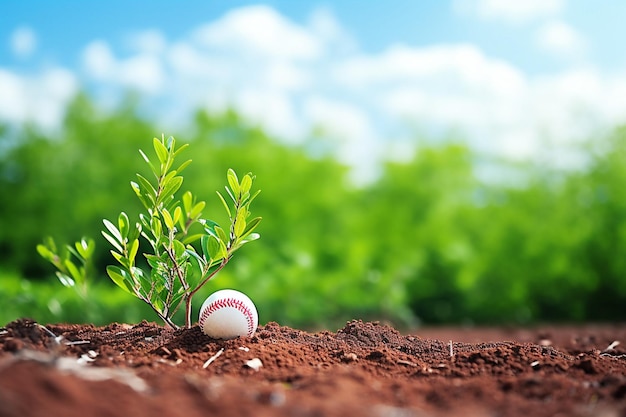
{"type": "Point", "coordinates": [255, 364]}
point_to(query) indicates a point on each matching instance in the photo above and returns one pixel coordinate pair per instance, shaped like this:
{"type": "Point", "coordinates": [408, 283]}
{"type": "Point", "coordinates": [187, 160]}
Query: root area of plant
{"type": "Point", "coordinates": [363, 369]}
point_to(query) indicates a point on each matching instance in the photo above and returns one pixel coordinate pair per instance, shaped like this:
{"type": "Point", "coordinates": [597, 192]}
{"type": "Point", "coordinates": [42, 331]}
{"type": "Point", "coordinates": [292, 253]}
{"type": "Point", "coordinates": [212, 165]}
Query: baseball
{"type": "Point", "coordinates": [227, 314]}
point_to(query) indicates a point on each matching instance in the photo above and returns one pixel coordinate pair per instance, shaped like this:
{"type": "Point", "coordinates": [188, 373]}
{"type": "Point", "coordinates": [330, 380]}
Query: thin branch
{"type": "Point", "coordinates": [212, 358]}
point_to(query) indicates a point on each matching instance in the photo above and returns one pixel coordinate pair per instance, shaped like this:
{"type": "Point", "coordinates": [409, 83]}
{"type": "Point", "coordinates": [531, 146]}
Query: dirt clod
{"type": "Point", "coordinates": [365, 369]}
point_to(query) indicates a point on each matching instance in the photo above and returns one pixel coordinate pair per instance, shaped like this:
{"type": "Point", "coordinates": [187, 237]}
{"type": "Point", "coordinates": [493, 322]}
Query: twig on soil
{"type": "Point", "coordinates": [608, 355]}
{"type": "Point", "coordinates": [612, 346]}
{"type": "Point", "coordinates": [212, 358]}
{"type": "Point", "coordinates": [57, 339]}
{"type": "Point", "coordinates": [78, 342]}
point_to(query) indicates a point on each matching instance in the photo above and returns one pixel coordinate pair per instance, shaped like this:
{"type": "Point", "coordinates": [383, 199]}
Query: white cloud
{"type": "Point", "coordinates": [290, 78]}
{"type": "Point", "coordinates": [260, 31]}
{"type": "Point", "coordinates": [143, 71]}
{"type": "Point", "coordinates": [440, 68]}
{"type": "Point", "coordinates": [513, 11]}
{"type": "Point", "coordinates": [98, 60]}
{"type": "Point", "coordinates": [23, 42]}
{"type": "Point", "coordinates": [148, 41]}
{"type": "Point", "coordinates": [189, 62]}
{"type": "Point", "coordinates": [12, 101]}
{"type": "Point", "coordinates": [498, 108]}
{"type": "Point", "coordinates": [443, 87]}
{"type": "Point", "coordinates": [325, 27]}
{"type": "Point", "coordinates": [40, 99]}
{"type": "Point", "coordinates": [270, 109]}
{"type": "Point", "coordinates": [561, 39]}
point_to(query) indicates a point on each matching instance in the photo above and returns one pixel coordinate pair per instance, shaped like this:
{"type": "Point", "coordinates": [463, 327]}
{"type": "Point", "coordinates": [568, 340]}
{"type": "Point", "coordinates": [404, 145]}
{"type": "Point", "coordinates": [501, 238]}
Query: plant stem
{"type": "Point", "coordinates": [189, 295]}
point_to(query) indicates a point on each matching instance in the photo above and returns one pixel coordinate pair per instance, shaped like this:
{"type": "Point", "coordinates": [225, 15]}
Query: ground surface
{"type": "Point", "coordinates": [363, 369]}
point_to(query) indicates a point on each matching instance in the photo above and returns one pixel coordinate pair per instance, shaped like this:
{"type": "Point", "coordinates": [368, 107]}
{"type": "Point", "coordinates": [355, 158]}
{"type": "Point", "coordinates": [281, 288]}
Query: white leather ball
{"type": "Point", "coordinates": [227, 314]}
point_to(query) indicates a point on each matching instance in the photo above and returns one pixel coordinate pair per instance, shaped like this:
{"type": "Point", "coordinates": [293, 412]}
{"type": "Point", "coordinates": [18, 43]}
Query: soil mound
{"type": "Point", "coordinates": [364, 369]}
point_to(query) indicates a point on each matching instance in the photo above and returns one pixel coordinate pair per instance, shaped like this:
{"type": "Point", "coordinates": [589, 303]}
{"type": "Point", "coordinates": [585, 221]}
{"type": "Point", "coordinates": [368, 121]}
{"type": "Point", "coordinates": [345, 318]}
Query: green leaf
{"type": "Point", "coordinates": [73, 270]}
{"type": "Point", "coordinates": [132, 252]}
{"type": "Point", "coordinates": [180, 149]}
{"type": "Point", "coordinates": [65, 280]}
{"type": "Point", "coordinates": [168, 177]}
{"type": "Point", "coordinates": [204, 245]}
{"type": "Point", "coordinates": [113, 230]}
{"type": "Point", "coordinates": [167, 218]}
{"type": "Point", "coordinates": [156, 227]}
{"type": "Point", "coordinates": [217, 249]}
{"type": "Point", "coordinates": [252, 224]}
{"type": "Point", "coordinates": [233, 181]}
{"type": "Point", "coordinates": [212, 249]}
{"type": "Point", "coordinates": [147, 189]}
{"type": "Point", "coordinates": [192, 238]}
{"type": "Point", "coordinates": [209, 227]}
{"type": "Point", "coordinates": [232, 196]}
{"type": "Point", "coordinates": [170, 142]}
{"type": "Point", "coordinates": [124, 224]}
{"type": "Point", "coordinates": [153, 260]}
{"type": "Point", "coordinates": [153, 168]}
{"type": "Point", "coordinates": [170, 188]}
{"type": "Point", "coordinates": [121, 278]}
{"type": "Point", "coordinates": [143, 198]}
{"type": "Point", "coordinates": [45, 253]}
{"type": "Point", "coordinates": [157, 302]}
{"type": "Point", "coordinates": [85, 248]}
{"type": "Point", "coordinates": [182, 166]}
{"type": "Point", "coordinates": [246, 184]}
{"type": "Point", "coordinates": [134, 232]}
{"type": "Point", "coordinates": [73, 251]}
{"type": "Point", "coordinates": [49, 242]}
{"type": "Point", "coordinates": [223, 251]}
{"type": "Point", "coordinates": [187, 199]}
{"type": "Point", "coordinates": [194, 255]}
{"type": "Point", "coordinates": [121, 259]}
{"type": "Point", "coordinates": [225, 204]}
{"type": "Point", "coordinates": [251, 237]}
{"type": "Point", "coordinates": [160, 150]}
{"type": "Point", "coordinates": [112, 241]}
{"type": "Point", "coordinates": [179, 249]}
{"type": "Point", "coordinates": [178, 217]}
{"type": "Point", "coordinates": [240, 222]}
{"type": "Point", "coordinates": [221, 234]}
{"type": "Point", "coordinates": [196, 211]}
{"type": "Point", "coordinates": [253, 197]}
{"type": "Point", "coordinates": [143, 282]}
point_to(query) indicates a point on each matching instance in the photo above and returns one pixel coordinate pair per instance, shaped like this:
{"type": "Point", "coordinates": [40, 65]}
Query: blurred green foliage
{"type": "Point", "coordinates": [425, 242]}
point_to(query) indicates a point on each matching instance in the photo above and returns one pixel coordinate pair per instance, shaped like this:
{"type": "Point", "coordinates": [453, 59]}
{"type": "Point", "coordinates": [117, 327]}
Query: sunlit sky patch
{"type": "Point", "coordinates": [513, 78]}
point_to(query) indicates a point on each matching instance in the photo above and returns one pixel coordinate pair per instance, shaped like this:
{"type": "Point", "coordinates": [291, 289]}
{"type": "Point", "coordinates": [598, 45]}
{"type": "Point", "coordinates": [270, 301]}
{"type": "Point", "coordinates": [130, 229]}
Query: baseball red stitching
{"type": "Point", "coordinates": [229, 302]}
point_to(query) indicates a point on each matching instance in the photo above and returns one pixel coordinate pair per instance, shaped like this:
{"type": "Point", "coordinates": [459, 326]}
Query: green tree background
{"type": "Point", "coordinates": [427, 242]}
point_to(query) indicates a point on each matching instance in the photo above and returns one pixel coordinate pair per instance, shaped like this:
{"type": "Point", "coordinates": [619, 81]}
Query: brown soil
{"type": "Point", "coordinates": [364, 369]}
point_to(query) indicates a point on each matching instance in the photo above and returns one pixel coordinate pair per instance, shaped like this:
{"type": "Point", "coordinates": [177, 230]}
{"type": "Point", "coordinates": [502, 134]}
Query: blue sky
{"type": "Point", "coordinates": [520, 79]}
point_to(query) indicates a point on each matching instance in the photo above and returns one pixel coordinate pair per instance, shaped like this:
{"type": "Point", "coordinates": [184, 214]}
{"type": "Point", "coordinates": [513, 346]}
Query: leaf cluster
{"type": "Point", "coordinates": [171, 227]}
{"type": "Point", "coordinates": [73, 263]}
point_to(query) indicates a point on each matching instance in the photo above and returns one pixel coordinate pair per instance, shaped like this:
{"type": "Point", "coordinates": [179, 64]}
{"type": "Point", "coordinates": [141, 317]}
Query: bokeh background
{"type": "Point", "coordinates": [421, 162]}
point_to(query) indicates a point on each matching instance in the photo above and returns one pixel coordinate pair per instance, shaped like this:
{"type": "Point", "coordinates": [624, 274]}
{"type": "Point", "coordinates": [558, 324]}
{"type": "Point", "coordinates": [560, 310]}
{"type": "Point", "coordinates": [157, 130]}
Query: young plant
{"type": "Point", "coordinates": [74, 264]}
{"type": "Point", "coordinates": [178, 269]}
